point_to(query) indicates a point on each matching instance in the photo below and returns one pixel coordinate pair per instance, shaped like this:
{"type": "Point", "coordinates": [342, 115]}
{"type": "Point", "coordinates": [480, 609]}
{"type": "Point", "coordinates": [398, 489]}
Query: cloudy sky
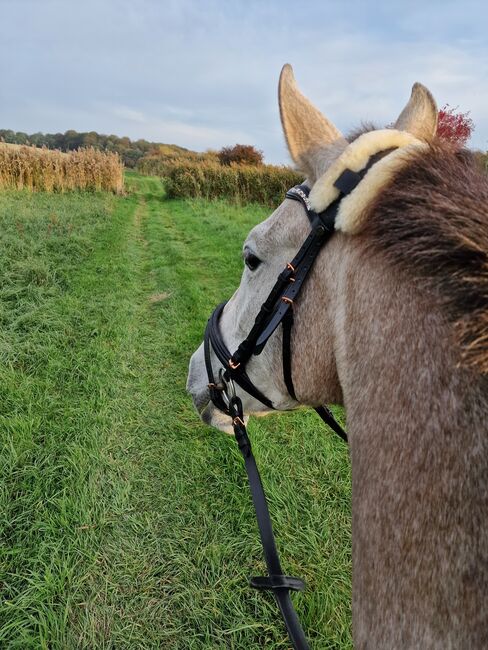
{"type": "Point", "coordinates": [203, 73]}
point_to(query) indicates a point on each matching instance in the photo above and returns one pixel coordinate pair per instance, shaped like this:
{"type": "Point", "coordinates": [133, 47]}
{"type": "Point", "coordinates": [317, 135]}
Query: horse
{"type": "Point", "coordinates": [392, 323]}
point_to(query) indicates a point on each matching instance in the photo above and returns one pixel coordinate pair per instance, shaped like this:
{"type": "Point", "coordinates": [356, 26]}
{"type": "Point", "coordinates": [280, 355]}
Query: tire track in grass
{"type": "Point", "coordinates": [62, 314]}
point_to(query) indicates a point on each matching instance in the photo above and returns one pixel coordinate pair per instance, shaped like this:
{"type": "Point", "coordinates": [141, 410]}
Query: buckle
{"type": "Point", "coordinates": [227, 387]}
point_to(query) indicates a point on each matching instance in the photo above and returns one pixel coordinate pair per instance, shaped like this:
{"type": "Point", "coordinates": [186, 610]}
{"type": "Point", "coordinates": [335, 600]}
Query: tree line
{"type": "Point", "coordinates": [129, 150]}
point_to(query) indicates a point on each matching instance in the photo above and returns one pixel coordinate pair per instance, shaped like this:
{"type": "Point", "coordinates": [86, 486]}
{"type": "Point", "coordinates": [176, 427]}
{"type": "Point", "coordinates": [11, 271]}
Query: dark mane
{"type": "Point", "coordinates": [432, 220]}
{"type": "Point", "coordinates": [364, 127]}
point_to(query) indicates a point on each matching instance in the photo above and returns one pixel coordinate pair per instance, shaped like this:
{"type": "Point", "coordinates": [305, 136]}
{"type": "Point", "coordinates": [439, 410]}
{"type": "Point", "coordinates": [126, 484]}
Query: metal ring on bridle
{"type": "Point", "coordinates": [227, 387]}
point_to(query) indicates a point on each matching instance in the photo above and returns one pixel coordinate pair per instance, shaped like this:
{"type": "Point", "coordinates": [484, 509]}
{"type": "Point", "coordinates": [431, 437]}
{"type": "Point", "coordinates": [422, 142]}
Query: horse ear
{"type": "Point", "coordinates": [419, 117]}
{"type": "Point", "coordinates": [306, 130]}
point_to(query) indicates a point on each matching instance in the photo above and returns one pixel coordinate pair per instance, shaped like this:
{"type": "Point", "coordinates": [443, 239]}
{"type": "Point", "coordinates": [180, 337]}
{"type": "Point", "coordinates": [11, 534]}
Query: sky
{"type": "Point", "coordinates": [204, 74]}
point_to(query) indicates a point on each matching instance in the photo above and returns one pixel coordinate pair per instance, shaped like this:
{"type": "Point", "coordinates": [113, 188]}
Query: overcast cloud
{"type": "Point", "coordinates": [204, 73]}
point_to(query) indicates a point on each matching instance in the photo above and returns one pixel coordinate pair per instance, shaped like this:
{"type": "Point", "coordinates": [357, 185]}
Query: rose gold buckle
{"type": "Point", "coordinates": [286, 299]}
{"type": "Point", "coordinates": [290, 267]}
{"type": "Point", "coordinates": [233, 364]}
{"type": "Point", "coordinates": [237, 420]}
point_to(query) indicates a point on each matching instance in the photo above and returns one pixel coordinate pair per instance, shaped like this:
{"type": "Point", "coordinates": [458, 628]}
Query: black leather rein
{"type": "Point", "coordinates": [276, 309]}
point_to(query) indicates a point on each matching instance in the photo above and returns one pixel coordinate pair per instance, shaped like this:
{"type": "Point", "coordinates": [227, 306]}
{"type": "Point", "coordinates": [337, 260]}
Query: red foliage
{"type": "Point", "coordinates": [455, 127]}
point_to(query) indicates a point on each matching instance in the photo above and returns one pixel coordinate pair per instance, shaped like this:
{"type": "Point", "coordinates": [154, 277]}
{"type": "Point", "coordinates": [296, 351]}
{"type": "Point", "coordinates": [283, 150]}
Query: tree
{"type": "Point", "coordinates": [72, 140]}
{"type": "Point", "coordinates": [240, 154]}
{"type": "Point", "coordinates": [90, 139]}
{"type": "Point", "coordinates": [453, 126]}
{"type": "Point", "coordinates": [21, 138]}
{"type": "Point", "coordinates": [37, 139]}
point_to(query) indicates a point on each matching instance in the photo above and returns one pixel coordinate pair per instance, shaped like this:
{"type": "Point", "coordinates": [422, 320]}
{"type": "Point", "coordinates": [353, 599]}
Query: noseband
{"type": "Point", "coordinates": [276, 309]}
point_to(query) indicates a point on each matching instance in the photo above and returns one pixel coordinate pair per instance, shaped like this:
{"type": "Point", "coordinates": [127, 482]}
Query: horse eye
{"type": "Point", "coordinates": [252, 262]}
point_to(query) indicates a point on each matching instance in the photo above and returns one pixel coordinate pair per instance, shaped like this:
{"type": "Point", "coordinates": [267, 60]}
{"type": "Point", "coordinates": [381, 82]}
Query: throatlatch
{"type": "Point", "coordinates": [276, 309]}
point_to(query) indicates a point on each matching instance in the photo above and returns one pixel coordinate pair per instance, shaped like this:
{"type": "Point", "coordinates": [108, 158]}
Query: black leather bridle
{"type": "Point", "coordinates": [276, 309]}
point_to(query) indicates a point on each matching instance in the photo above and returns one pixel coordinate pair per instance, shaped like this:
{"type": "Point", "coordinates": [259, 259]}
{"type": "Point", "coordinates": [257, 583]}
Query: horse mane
{"type": "Point", "coordinates": [365, 127]}
{"type": "Point", "coordinates": [432, 222]}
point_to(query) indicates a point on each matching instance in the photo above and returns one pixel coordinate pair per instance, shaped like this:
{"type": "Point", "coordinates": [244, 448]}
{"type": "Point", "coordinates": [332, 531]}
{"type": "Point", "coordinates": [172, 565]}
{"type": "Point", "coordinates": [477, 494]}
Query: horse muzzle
{"type": "Point", "coordinates": [197, 387]}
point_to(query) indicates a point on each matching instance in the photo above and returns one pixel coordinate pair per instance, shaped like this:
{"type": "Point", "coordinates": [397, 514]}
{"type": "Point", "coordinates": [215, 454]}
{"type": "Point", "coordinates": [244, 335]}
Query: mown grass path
{"type": "Point", "coordinates": [126, 523]}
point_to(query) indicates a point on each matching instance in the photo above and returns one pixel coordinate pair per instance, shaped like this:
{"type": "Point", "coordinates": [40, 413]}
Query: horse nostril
{"type": "Point", "coordinates": [206, 416]}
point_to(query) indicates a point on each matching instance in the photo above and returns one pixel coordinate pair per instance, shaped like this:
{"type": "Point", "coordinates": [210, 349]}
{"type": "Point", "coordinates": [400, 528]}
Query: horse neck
{"type": "Point", "coordinates": [418, 432]}
{"type": "Point", "coordinates": [398, 363]}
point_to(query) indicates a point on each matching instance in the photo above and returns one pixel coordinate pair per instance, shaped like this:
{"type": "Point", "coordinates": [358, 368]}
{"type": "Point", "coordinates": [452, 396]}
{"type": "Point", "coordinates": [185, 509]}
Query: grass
{"type": "Point", "coordinates": [125, 522]}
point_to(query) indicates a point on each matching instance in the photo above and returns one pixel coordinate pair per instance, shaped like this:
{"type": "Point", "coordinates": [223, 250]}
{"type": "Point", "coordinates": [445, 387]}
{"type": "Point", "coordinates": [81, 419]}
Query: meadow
{"type": "Point", "coordinates": [124, 521]}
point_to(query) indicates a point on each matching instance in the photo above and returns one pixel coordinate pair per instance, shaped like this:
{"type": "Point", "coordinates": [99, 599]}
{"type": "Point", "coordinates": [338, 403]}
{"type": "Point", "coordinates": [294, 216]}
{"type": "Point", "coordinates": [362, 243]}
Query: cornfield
{"type": "Point", "coordinates": [264, 184]}
{"type": "Point", "coordinates": [23, 167]}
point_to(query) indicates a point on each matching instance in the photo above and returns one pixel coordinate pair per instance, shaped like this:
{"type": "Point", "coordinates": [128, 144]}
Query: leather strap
{"type": "Point", "coordinates": [308, 254]}
{"type": "Point", "coordinates": [212, 338]}
{"type": "Point", "coordinates": [275, 581]}
{"type": "Point", "coordinates": [331, 422]}
{"type": "Point", "coordinates": [286, 353]}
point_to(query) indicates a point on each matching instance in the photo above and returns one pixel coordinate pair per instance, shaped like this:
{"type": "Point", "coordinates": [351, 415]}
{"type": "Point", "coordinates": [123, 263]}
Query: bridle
{"type": "Point", "coordinates": [276, 309]}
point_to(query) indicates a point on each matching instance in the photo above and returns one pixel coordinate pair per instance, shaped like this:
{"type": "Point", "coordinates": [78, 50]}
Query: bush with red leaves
{"type": "Point", "coordinates": [240, 154]}
{"type": "Point", "coordinates": [455, 127]}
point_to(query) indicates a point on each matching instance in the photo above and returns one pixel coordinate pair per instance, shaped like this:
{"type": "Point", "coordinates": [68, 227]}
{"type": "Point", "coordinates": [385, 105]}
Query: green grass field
{"type": "Point", "coordinates": [125, 522]}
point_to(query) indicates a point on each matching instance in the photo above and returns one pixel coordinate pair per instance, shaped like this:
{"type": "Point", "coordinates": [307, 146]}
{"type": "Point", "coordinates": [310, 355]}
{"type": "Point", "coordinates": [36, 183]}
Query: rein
{"type": "Point", "coordinates": [276, 309]}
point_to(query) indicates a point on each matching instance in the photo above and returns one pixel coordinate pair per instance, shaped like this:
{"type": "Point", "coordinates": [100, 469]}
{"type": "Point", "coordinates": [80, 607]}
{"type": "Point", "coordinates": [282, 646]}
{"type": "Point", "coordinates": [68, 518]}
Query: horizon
{"type": "Point", "coordinates": [204, 75]}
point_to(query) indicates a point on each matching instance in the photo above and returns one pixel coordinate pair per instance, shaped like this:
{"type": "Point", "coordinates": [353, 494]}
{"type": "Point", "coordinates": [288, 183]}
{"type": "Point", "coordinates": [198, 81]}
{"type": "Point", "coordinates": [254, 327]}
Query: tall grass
{"type": "Point", "coordinates": [23, 167]}
{"type": "Point", "coordinates": [158, 162]}
{"type": "Point", "coordinates": [264, 184]}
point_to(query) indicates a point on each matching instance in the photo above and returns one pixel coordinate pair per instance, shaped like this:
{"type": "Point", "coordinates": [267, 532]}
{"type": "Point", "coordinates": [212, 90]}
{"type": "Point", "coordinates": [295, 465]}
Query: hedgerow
{"type": "Point", "coordinates": [264, 184]}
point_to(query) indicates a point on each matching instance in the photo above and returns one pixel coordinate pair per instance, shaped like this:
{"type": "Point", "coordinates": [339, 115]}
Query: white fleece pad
{"type": "Point", "coordinates": [351, 213]}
